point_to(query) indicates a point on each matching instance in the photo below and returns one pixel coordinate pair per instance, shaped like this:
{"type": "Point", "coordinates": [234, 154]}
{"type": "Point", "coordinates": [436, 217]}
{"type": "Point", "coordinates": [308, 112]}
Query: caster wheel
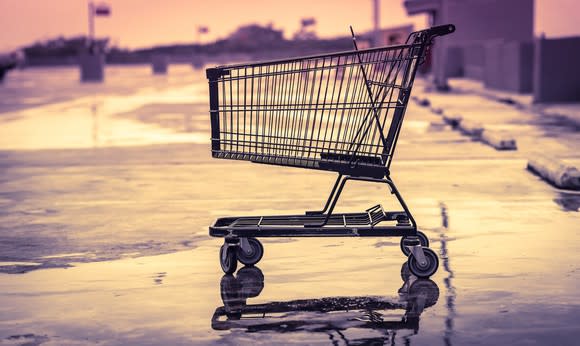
{"type": "Point", "coordinates": [424, 271]}
{"type": "Point", "coordinates": [422, 239]}
{"type": "Point", "coordinates": [255, 255]}
{"type": "Point", "coordinates": [228, 259]}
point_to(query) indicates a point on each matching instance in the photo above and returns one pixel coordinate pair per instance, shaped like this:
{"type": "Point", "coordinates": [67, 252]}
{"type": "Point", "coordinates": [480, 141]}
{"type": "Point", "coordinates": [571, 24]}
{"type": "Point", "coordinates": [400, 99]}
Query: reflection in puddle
{"type": "Point", "coordinates": [568, 201]}
{"type": "Point", "coordinates": [95, 120]}
{"type": "Point", "coordinates": [450, 293]}
{"type": "Point", "coordinates": [158, 278]}
{"type": "Point", "coordinates": [382, 318]}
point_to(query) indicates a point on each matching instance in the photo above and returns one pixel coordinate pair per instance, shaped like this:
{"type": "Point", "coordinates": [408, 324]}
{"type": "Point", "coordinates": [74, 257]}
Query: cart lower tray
{"type": "Point", "coordinates": [371, 223]}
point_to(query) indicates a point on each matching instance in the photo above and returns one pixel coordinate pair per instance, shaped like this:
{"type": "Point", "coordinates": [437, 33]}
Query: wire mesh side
{"type": "Point", "coordinates": [309, 111]}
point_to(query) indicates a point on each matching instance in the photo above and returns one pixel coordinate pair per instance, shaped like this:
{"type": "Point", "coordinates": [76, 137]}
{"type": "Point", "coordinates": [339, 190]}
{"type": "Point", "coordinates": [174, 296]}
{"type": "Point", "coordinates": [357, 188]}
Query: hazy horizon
{"type": "Point", "coordinates": [137, 24]}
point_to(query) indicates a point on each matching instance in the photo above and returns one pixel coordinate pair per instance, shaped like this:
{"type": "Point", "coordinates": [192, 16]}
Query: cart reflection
{"type": "Point", "coordinates": [328, 315]}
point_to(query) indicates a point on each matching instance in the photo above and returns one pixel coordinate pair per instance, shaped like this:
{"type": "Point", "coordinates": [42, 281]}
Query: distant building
{"type": "Point", "coordinates": [256, 33]}
{"type": "Point", "coordinates": [307, 30]}
{"type": "Point", "coordinates": [389, 36]}
{"type": "Point", "coordinates": [493, 41]}
{"type": "Point", "coordinates": [384, 37]}
{"type": "Point", "coordinates": [62, 51]}
{"type": "Point", "coordinates": [495, 44]}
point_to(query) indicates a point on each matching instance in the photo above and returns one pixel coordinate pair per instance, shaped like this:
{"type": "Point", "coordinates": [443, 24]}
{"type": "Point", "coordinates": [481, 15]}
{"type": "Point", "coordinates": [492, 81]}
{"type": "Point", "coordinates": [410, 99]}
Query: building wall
{"type": "Point", "coordinates": [557, 70]}
{"type": "Point", "coordinates": [493, 69]}
{"type": "Point", "coordinates": [390, 36]}
{"type": "Point", "coordinates": [494, 43]}
{"type": "Point", "coordinates": [517, 66]}
{"type": "Point", "coordinates": [478, 22]}
{"type": "Point", "coordinates": [473, 61]}
{"type": "Point", "coordinates": [508, 65]}
{"type": "Point", "coordinates": [511, 20]}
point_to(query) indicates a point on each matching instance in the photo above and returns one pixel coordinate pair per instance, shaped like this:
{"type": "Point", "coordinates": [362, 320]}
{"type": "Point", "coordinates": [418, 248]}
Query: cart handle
{"type": "Point", "coordinates": [441, 30]}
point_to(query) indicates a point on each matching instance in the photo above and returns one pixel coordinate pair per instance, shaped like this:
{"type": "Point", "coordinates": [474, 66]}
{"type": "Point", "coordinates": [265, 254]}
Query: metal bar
{"type": "Point", "coordinates": [329, 198]}
{"type": "Point", "coordinates": [387, 181]}
{"type": "Point", "coordinates": [331, 208]}
{"type": "Point", "coordinates": [214, 110]}
{"type": "Point", "coordinates": [316, 56]}
{"type": "Point", "coordinates": [402, 202]}
{"type": "Point", "coordinates": [356, 231]}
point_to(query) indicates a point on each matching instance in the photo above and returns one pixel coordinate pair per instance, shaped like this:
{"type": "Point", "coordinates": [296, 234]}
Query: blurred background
{"type": "Point", "coordinates": [522, 46]}
{"type": "Point", "coordinates": [106, 170]}
{"type": "Point", "coordinates": [57, 33]}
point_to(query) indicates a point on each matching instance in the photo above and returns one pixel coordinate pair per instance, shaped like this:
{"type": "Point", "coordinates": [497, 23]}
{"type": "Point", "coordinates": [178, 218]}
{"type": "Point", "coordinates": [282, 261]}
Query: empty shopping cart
{"type": "Point", "coordinates": [339, 112]}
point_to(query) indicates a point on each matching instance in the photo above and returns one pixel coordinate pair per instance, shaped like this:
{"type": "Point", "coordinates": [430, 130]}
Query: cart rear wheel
{"type": "Point", "coordinates": [422, 238]}
{"type": "Point", "coordinates": [228, 259]}
{"type": "Point", "coordinates": [255, 255]}
{"type": "Point", "coordinates": [424, 271]}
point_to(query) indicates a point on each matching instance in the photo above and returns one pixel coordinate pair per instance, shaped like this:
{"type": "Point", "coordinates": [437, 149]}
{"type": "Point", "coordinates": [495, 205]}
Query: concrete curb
{"type": "Point", "coordinates": [471, 128]}
{"type": "Point", "coordinates": [421, 102]}
{"type": "Point", "coordinates": [555, 171]}
{"type": "Point", "coordinates": [438, 111]}
{"type": "Point", "coordinates": [499, 140]}
{"type": "Point", "coordinates": [452, 120]}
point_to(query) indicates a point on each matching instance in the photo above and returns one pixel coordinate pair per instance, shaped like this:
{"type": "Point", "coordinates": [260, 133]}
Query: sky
{"type": "Point", "coordinates": [145, 23]}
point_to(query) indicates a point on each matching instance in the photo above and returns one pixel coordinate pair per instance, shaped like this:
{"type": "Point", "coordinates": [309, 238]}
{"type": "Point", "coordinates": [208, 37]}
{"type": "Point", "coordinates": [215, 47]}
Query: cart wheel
{"type": "Point", "coordinates": [228, 259]}
{"type": "Point", "coordinates": [428, 269]}
{"type": "Point", "coordinates": [254, 256]}
{"type": "Point", "coordinates": [422, 239]}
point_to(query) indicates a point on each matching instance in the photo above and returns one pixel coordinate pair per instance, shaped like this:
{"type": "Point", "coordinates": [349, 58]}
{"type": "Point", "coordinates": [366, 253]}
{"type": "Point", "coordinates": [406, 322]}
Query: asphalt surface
{"type": "Point", "coordinates": [108, 244]}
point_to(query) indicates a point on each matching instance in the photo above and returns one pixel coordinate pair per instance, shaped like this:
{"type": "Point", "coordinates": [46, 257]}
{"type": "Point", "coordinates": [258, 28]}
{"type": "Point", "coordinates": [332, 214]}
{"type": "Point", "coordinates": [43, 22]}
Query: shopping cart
{"type": "Point", "coordinates": [339, 112]}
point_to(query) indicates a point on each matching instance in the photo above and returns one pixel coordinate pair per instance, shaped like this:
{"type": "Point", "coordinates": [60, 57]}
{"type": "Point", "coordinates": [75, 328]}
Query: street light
{"type": "Point", "coordinates": [101, 9]}
{"type": "Point", "coordinates": [201, 30]}
{"type": "Point", "coordinates": [376, 21]}
{"type": "Point", "coordinates": [92, 62]}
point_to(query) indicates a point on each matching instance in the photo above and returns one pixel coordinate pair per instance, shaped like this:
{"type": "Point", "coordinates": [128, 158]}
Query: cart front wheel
{"type": "Point", "coordinates": [254, 255]}
{"type": "Point", "coordinates": [228, 259]}
{"type": "Point", "coordinates": [422, 239]}
{"type": "Point", "coordinates": [430, 267]}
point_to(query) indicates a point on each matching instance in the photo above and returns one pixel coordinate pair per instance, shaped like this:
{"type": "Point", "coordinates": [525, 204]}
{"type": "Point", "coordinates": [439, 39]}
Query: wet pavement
{"type": "Point", "coordinates": [110, 241]}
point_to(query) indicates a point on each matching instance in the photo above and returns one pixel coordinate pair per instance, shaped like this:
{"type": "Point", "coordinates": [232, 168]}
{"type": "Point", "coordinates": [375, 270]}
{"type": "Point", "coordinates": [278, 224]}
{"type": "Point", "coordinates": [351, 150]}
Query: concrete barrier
{"type": "Point", "coordinates": [437, 126]}
{"type": "Point", "coordinates": [471, 128]}
{"type": "Point", "coordinates": [437, 110]}
{"type": "Point", "coordinates": [92, 67]}
{"type": "Point", "coordinates": [424, 103]}
{"type": "Point", "coordinates": [159, 64]}
{"type": "Point", "coordinates": [452, 120]}
{"type": "Point", "coordinates": [555, 171]}
{"type": "Point", "coordinates": [499, 140]}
